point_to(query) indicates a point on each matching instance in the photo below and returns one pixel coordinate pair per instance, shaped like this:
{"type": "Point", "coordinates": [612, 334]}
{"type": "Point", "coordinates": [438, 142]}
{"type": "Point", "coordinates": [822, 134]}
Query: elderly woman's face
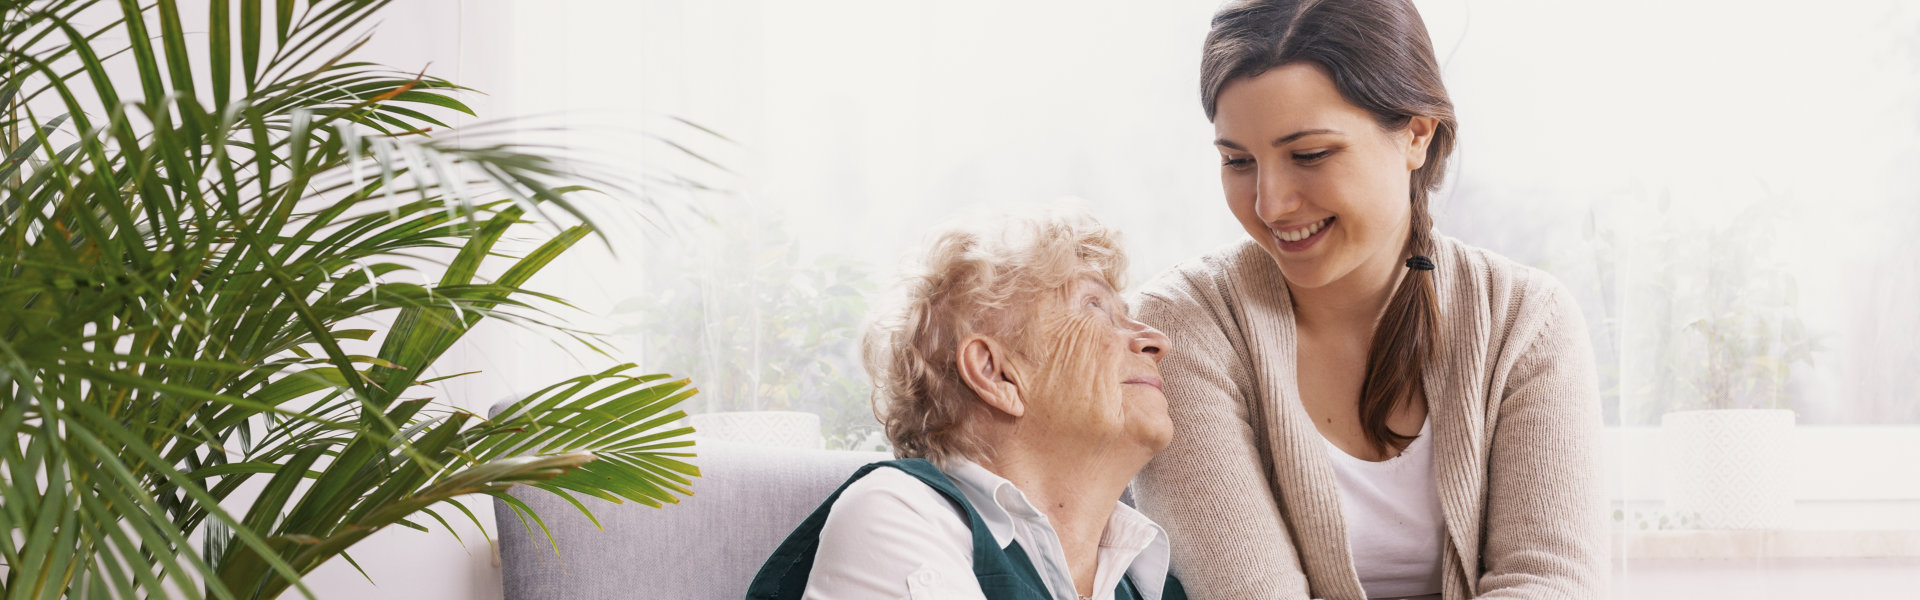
{"type": "Point", "coordinates": [1099, 371]}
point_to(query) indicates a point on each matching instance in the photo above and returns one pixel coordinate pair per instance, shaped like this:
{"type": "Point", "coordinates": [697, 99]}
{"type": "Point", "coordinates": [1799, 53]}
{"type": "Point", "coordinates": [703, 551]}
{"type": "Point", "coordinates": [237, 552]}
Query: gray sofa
{"type": "Point", "coordinates": [746, 500]}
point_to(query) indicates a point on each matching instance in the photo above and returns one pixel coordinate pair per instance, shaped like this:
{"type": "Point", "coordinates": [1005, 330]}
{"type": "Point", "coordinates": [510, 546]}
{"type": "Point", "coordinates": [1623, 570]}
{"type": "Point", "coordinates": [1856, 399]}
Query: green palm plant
{"type": "Point", "coordinates": [222, 289]}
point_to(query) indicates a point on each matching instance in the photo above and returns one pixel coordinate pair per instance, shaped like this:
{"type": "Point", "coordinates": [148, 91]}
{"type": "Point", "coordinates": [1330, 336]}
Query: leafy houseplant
{"type": "Point", "coordinates": [225, 279]}
{"type": "Point", "coordinates": [1712, 323]}
{"type": "Point", "coordinates": [1752, 330]}
{"type": "Point", "coordinates": [1717, 339]}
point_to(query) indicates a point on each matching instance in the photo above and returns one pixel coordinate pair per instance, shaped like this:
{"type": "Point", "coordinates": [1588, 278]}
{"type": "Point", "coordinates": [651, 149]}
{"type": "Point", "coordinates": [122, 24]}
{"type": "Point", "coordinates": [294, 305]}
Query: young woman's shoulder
{"type": "Point", "coordinates": [1480, 289]}
{"type": "Point", "coordinates": [1199, 303]}
{"type": "Point", "coordinates": [1207, 283]}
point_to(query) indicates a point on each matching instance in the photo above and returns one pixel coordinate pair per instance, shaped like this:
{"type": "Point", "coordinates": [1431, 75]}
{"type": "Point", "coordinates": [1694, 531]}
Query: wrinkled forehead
{"type": "Point", "coordinates": [1087, 282]}
{"type": "Point", "coordinates": [1044, 300]}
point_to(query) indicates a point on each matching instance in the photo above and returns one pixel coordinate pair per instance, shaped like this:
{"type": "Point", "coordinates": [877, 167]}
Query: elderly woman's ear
{"type": "Point", "coordinates": [986, 367]}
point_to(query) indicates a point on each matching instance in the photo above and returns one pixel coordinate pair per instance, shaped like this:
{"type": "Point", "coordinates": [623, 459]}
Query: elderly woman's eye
{"type": "Point", "coordinates": [1104, 306]}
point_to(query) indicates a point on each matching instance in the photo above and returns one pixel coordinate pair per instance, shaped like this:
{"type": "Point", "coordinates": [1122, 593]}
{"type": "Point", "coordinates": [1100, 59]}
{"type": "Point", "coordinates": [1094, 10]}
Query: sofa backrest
{"type": "Point", "coordinates": [710, 545]}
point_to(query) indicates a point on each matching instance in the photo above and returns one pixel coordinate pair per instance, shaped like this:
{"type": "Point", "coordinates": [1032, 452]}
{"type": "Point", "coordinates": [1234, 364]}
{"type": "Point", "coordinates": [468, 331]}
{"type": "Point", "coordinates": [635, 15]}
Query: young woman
{"type": "Point", "coordinates": [1022, 397]}
{"type": "Point", "coordinates": [1363, 408]}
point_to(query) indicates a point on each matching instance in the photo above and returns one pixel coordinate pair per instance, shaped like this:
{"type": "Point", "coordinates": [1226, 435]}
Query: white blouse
{"type": "Point", "coordinates": [890, 537]}
{"type": "Point", "coordinates": [1394, 526]}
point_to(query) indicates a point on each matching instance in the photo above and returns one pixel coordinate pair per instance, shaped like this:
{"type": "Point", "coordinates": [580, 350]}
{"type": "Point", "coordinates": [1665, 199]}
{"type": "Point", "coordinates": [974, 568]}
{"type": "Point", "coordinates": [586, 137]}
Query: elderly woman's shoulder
{"type": "Point", "coordinates": [893, 512]}
{"type": "Point", "coordinates": [887, 530]}
{"type": "Point", "coordinates": [887, 497]}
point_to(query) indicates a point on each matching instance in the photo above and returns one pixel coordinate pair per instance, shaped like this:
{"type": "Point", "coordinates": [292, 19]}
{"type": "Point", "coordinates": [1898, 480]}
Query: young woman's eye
{"type": "Point", "coordinates": [1310, 157]}
{"type": "Point", "coordinates": [1237, 164]}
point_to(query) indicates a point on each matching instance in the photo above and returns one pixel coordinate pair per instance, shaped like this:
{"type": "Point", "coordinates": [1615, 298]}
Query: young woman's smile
{"type": "Point", "coordinates": [1301, 238]}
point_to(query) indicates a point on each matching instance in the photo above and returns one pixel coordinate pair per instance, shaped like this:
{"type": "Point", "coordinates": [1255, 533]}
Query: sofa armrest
{"type": "Point", "coordinates": [710, 545]}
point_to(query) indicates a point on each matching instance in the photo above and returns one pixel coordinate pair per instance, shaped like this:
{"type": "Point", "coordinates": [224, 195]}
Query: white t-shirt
{"type": "Point", "coordinates": [1394, 526]}
{"type": "Point", "coordinates": [890, 537]}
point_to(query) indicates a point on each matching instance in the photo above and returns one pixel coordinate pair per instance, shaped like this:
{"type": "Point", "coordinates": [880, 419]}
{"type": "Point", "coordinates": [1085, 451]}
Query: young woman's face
{"type": "Point", "coordinates": [1314, 179]}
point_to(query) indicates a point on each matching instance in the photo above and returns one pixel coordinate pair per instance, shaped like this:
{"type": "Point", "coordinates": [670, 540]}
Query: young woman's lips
{"type": "Point", "coordinates": [1152, 381]}
{"type": "Point", "coordinates": [1301, 245]}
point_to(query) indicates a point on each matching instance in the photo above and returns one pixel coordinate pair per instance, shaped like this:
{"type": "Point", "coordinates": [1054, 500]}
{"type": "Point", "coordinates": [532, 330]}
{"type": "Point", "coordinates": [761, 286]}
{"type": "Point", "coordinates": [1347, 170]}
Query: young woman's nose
{"type": "Point", "coordinates": [1275, 195]}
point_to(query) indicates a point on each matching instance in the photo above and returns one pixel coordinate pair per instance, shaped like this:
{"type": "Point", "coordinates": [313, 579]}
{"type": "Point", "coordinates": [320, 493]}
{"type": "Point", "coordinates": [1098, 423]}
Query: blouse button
{"type": "Point", "coordinates": [927, 577]}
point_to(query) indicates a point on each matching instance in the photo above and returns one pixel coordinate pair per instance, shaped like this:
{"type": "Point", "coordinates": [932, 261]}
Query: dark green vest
{"type": "Point", "coordinates": [1004, 574]}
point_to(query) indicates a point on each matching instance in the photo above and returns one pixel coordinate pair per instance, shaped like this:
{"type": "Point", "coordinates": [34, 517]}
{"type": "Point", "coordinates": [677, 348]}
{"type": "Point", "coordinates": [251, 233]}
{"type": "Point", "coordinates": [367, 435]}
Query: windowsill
{"type": "Point", "coordinates": [1775, 543]}
{"type": "Point", "coordinates": [1854, 498]}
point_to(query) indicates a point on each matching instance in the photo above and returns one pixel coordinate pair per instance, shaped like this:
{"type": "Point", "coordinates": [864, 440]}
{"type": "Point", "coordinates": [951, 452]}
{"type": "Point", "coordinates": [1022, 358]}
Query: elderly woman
{"type": "Point", "coordinates": [1020, 398]}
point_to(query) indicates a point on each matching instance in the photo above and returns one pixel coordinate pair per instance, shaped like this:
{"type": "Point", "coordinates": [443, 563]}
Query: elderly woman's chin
{"type": "Point", "coordinates": [1147, 420]}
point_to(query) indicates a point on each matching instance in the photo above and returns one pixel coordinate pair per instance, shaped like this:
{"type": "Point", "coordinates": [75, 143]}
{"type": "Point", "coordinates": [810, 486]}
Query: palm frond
{"type": "Point", "coordinates": [187, 275]}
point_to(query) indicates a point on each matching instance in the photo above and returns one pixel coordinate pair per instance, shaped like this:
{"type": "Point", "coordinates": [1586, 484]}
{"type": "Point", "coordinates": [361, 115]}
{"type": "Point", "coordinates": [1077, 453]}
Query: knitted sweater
{"type": "Point", "coordinates": [1245, 489]}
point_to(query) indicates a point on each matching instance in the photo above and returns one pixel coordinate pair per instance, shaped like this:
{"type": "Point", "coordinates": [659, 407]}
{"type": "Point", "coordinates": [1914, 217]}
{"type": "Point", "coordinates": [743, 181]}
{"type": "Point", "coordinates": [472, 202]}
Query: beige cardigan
{"type": "Point", "coordinates": [1245, 489]}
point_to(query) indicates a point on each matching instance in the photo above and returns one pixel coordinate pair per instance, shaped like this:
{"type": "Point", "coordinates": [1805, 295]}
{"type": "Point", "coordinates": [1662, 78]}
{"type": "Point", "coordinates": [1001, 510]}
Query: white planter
{"type": "Point", "coordinates": [785, 429]}
{"type": "Point", "coordinates": [1730, 469]}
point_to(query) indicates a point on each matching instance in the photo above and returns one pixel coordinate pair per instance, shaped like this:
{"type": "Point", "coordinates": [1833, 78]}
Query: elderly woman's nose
{"type": "Point", "coordinates": [1150, 341]}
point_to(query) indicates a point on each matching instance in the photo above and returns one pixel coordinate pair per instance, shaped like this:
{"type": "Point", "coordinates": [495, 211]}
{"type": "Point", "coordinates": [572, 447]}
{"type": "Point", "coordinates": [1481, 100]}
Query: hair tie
{"type": "Point", "coordinates": [1420, 263]}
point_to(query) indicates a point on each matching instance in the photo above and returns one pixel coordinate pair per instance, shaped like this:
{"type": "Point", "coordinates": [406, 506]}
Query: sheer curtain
{"type": "Point", "coordinates": [1727, 187]}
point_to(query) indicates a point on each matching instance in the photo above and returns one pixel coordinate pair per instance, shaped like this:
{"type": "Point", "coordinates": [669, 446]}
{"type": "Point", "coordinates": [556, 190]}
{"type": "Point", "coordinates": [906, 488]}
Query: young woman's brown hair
{"type": "Point", "coordinates": [1380, 59]}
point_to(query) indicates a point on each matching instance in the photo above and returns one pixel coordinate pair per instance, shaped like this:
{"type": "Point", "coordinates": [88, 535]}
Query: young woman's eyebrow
{"type": "Point", "coordinates": [1281, 141]}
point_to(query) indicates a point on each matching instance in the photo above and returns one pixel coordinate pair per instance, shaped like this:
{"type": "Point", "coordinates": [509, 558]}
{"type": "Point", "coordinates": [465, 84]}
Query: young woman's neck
{"type": "Point", "coordinates": [1354, 302]}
